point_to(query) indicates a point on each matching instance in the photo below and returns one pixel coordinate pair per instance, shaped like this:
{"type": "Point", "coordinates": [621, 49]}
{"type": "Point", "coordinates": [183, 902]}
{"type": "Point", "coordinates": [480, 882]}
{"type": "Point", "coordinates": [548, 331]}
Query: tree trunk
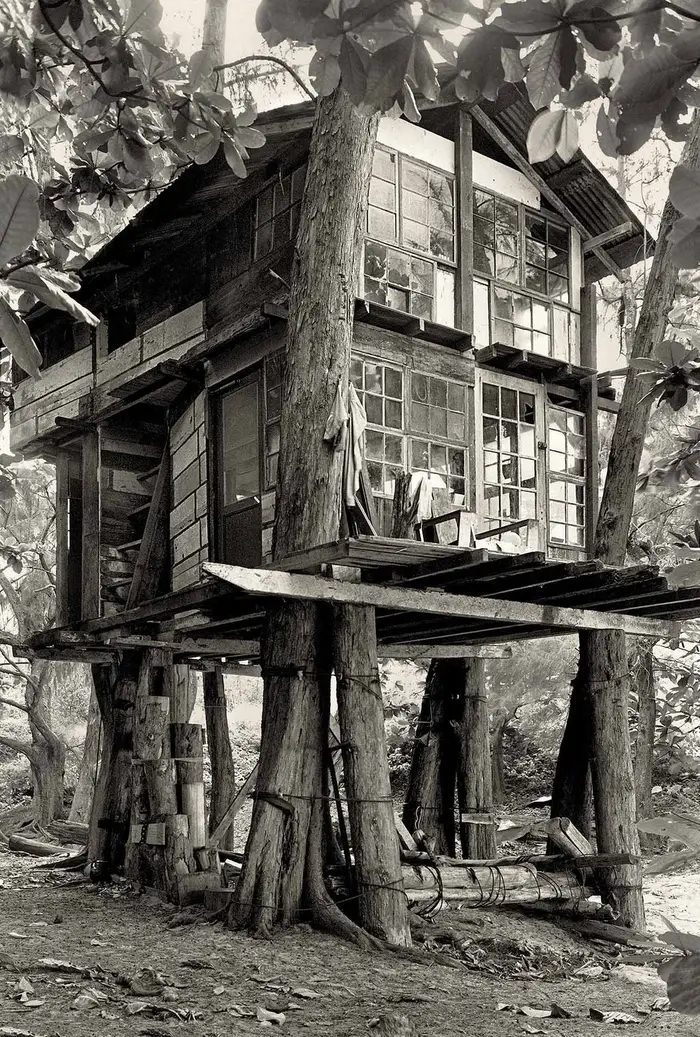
{"type": "Point", "coordinates": [612, 771]}
{"type": "Point", "coordinates": [501, 721]}
{"type": "Point", "coordinates": [643, 678]}
{"type": "Point", "coordinates": [603, 659]}
{"type": "Point", "coordinates": [572, 794]}
{"type": "Point", "coordinates": [477, 824]}
{"type": "Point", "coordinates": [430, 797]}
{"type": "Point", "coordinates": [282, 868]}
{"type": "Point", "coordinates": [115, 688]}
{"type": "Point", "coordinates": [87, 774]}
{"type": "Point", "coordinates": [382, 904]}
{"type": "Point", "coordinates": [48, 763]}
{"type": "Point", "coordinates": [223, 775]}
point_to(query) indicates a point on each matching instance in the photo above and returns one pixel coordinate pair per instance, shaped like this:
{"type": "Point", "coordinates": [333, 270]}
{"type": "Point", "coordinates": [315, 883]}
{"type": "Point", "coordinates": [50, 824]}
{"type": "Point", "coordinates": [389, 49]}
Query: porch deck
{"type": "Point", "coordinates": [215, 612]}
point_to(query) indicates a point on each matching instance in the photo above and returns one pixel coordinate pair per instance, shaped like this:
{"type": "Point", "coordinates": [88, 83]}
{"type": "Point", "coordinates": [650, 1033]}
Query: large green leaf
{"type": "Point", "coordinates": [19, 216]}
{"type": "Point", "coordinates": [17, 339]}
{"type": "Point", "coordinates": [32, 279]}
{"type": "Point", "coordinates": [682, 977]}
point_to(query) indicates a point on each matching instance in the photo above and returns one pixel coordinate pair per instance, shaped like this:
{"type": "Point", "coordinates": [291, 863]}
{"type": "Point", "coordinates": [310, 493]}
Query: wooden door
{"type": "Point", "coordinates": [239, 465]}
{"type": "Point", "coordinates": [511, 485]}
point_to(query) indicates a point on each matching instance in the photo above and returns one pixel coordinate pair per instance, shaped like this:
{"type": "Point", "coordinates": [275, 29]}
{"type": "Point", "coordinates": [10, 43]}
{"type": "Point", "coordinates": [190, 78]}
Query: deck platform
{"type": "Point", "coordinates": [538, 598]}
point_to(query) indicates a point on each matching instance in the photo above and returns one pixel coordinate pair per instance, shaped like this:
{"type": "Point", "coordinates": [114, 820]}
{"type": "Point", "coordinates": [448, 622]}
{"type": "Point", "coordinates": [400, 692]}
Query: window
{"type": "Point", "coordinates": [411, 207]}
{"type": "Point", "coordinates": [428, 436]}
{"type": "Point", "coordinates": [380, 388]}
{"type": "Point", "coordinates": [273, 408]}
{"type": "Point", "coordinates": [277, 213]}
{"type": "Point", "coordinates": [509, 455]}
{"type": "Point", "coordinates": [567, 470]}
{"type": "Point", "coordinates": [240, 444]}
{"type": "Point", "coordinates": [524, 296]}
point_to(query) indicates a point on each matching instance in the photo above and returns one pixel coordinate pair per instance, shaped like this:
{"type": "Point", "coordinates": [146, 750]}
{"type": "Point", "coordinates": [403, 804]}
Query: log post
{"type": "Point", "coordinates": [223, 774]}
{"type": "Point", "coordinates": [612, 770]}
{"type": "Point", "coordinates": [477, 822]}
{"type": "Point", "coordinates": [430, 797]}
{"type": "Point", "coordinates": [382, 904]}
{"type": "Point", "coordinates": [187, 748]}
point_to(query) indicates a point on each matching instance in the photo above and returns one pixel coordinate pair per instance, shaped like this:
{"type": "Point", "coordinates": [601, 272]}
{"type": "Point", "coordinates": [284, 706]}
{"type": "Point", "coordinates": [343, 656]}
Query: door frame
{"type": "Point", "coordinates": [221, 511]}
{"type": "Point", "coordinates": [485, 375]}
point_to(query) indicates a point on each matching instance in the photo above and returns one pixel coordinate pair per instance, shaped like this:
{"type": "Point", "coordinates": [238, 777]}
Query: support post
{"type": "Point", "coordinates": [477, 822]}
{"type": "Point", "coordinates": [382, 904]}
{"type": "Point", "coordinates": [465, 224]}
{"type": "Point", "coordinates": [223, 773]}
{"type": "Point", "coordinates": [62, 496]}
{"type": "Point", "coordinates": [91, 603]}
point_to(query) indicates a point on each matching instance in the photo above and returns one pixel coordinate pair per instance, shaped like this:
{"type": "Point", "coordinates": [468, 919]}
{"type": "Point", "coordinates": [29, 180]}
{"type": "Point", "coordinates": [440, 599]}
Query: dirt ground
{"type": "Point", "coordinates": [217, 980]}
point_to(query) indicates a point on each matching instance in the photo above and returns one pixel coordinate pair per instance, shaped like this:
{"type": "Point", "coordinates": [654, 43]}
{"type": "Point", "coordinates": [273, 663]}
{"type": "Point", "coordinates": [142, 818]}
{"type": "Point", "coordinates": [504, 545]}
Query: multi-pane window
{"type": "Point", "coordinates": [380, 388]}
{"type": "Point", "coordinates": [411, 207]}
{"type": "Point", "coordinates": [516, 248]}
{"type": "Point", "coordinates": [273, 408]}
{"type": "Point", "coordinates": [438, 410]}
{"type": "Point", "coordinates": [509, 455]}
{"type": "Point", "coordinates": [567, 470]}
{"type": "Point", "coordinates": [277, 213]}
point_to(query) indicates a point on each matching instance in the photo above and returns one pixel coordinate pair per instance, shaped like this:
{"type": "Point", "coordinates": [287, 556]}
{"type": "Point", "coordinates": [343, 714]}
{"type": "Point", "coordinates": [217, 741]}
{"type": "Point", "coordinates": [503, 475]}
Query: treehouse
{"type": "Point", "coordinates": [474, 357]}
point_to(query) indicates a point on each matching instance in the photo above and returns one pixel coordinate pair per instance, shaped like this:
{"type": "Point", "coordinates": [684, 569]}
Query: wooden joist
{"type": "Point", "coordinates": [427, 652]}
{"type": "Point", "coordinates": [271, 583]}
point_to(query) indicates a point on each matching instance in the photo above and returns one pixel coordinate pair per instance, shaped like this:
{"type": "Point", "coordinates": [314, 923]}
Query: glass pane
{"type": "Point", "coordinates": [528, 505]}
{"type": "Point", "coordinates": [509, 436]}
{"type": "Point", "coordinates": [442, 243]}
{"type": "Point", "coordinates": [415, 235]}
{"type": "Point", "coordinates": [455, 426]}
{"type": "Point", "coordinates": [455, 396]}
{"type": "Point", "coordinates": [507, 268]}
{"type": "Point", "coordinates": [437, 392]}
{"type": "Point", "coordinates": [540, 316]}
{"type": "Point", "coordinates": [420, 420]}
{"type": "Point", "coordinates": [490, 434]}
{"type": "Point", "coordinates": [356, 373]}
{"type": "Point", "coordinates": [522, 310]}
{"type": "Point", "coordinates": [376, 475]}
{"type": "Point", "coordinates": [558, 489]}
{"type": "Point", "coordinates": [393, 383]}
{"type": "Point", "coordinates": [509, 469]}
{"type": "Point", "coordinates": [419, 454]}
{"type": "Point", "coordinates": [484, 260]}
{"type": "Point", "coordinates": [507, 215]}
{"type": "Point", "coordinates": [522, 338]}
{"type": "Point", "coordinates": [397, 298]}
{"type": "Point", "coordinates": [415, 206]}
{"type": "Point", "coordinates": [527, 408]}
{"type": "Point", "coordinates": [557, 511]}
{"type": "Point", "coordinates": [527, 472]}
{"type": "Point", "coordinates": [483, 232]}
{"type": "Point", "coordinates": [557, 462]}
{"type": "Point", "coordinates": [438, 458]}
{"type": "Point", "coordinates": [559, 288]}
{"type": "Point", "coordinates": [374, 378]}
{"type": "Point", "coordinates": [393, 449]}
{"type": "Point", "coordinates": [535, 279]}
{"type": "Point", "coordinates": [419, 388]}
{"type": "Point", "coordinates": [298, 181]}
{"type": "Point", "coordinates": [484, 204]}
{"type": "Point", "coordinates": [263, 240]}
{"type": "Point", "coordinates": [527, 441]}
{"type": "Point", "coordinates": [557, 440]}
{"type": "Point", "coordinates": [421, 276]}
{"type": "Point", "coordinates": [456, 485]}
{"type": "Point", "coordinates": [393, 414]}
{"type": "Point", "coordinates": [383, 165]}
{"type": "Point", "coordinates": [283, 194]}
{"type": "Point", "coordinates": [373, 409]}
{"type": "Point", "coordinates": [264, 208]}
{"type": "Point", "coordinates": [422, 306]}
{"type": "Point", "coordinates": [506, 242]}
{"type": "Point", "coordinates": [438, 421]}
{"type": "Point", "coordinates": [503, 333]}
{"type": "Point", "coordinates": [375, 291]}
{"type": "Point", "coordinates": [509, 403]}
{"type": "Point", "coordinates": [240, 437]}
{"type": "Point", "coordinates": [414, 177]}
{"type": "Point", "coordinates": [557, 532]}
{"type": "Point", "coordinates": [541, 343]}
{"type": "Point", "coordinates": [440, 187]}
{"type": "Point", "coordinates": [490, 399]}
{"type": "Point", "coordinates": [456, 461]}
{"type": "Point", "coordinates": [272, 439]}
{"type": "Point", "coordinates": [535, 252]}
{"type": "Point", "coordinates": [510, 501]}
{"type": "Point", "coordinates": [490, 467]}
{"type": "Point", "coordinates": [374, 445]}
{"type": "Point", "coordinates": [502, 303]}
{"type": "Point", "coordinates": [381, 224]}
{"type": "Point", "coordinates": [382, 194]}
{"type": "Point", "coordinates": [535, 226]}
{"type": "Point", "coordinates": [441, 216]}
{"type": "Point", "coordinates": [375, 259]}
{"type": "Point", "coordinates": [398, 268]}
{"type": "Point", "coordinates": [274, 402]}
{"type": "Point", "coordinates": [558, 237]}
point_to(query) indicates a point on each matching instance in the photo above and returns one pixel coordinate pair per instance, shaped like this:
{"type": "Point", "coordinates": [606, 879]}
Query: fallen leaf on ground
{"type": "Point", "coordinates": [6, 962]}
{"type": "Point", "coordinates": [264, 1016]}
{"type": "Point", "coordinates": [32, 1002]}
{"type": "Point", "coordinates": [19, 936]}
{"type": "Point", "coordinates": [92, 998]}
{"type": "Point", "coordinates": [219, 990]}
{"type": "Point", "coordinates": [618, 1018]}
{"type": "Point", "coordinates": [553, 1012]}
{"type": "Point", "coordinates": [196, 963]}
{"type": "Point", "coordinates": [532, 1029]}
{"type": "Point", "coordinates": [60, 966]}
{"type": "Point", "coordinates": [307, 995]}
{"type": "Point", "coordinates": [12, 1031]}
{"type": "Point", "coordinates": [661, 1004]}
{"type": "Point", "coordinates": [24, 984]}
{"type": "Point", "coordinates": [147, 983]}
{"type": "Point", "coordinates": [97, 943]}
{"type": "Point", "coordinates": [239, 1012]}
{"type": "Point", "coordinates": [590, 971]}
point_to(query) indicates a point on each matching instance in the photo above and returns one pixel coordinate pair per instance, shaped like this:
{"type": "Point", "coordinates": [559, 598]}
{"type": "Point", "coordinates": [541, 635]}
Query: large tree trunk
{"type": "Point", "coordinates": [223, 775]}
{"type": "Point", "coordinates": [115, 688]}
{"type": "Point", "coordinates": [382, 904]}
{"type": "Point", "coordinates": [501, 720]}
{"type": "Point", "coordinates": [430, 797]}
{"type": "Point", "coordinates": [643, 677]}
{"type": "Point", "coordinates": [477, 824]}
{"type": "Point", "coordinates": [603, 659]}
{"type": "Point", "coordinates": [283, 864]}
{"type": "Point", "coordinates": [47, 759]}
{"type": "Point", "coordinates": [572, 794]}
{"type": "Point", "coordinates": [87, 774]}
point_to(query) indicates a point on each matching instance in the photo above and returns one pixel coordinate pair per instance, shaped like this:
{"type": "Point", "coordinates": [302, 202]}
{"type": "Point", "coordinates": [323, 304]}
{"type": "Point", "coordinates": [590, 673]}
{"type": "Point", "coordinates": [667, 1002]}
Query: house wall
{"type": "Point", "coordinates": [189, 529]}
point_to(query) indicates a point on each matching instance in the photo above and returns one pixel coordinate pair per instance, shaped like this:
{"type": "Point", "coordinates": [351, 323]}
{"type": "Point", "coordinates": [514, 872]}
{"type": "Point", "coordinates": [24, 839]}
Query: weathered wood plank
{"type": "Point", "coordinates": [438, 603]}
{"type": "Point", "coordinates": [465, 208]}
{"type": "Point", "coordinates": [62, 494]}
{"type": "Point", "coordinates": [91, 474]}
{"type": "Point", "coordinates": [427, 652]}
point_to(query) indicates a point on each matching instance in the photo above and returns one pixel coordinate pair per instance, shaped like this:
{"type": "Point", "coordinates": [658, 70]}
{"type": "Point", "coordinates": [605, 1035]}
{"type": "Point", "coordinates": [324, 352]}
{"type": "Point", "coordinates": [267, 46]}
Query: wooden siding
{"type": "Point", "coordinates": [189, 529]}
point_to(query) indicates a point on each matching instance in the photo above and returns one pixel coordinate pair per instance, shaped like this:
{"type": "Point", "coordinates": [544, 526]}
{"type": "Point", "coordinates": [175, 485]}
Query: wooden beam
{"type": "Point", "coordinates": [589, 327]}
{"type": "Point", "coordinates": [427, 652]}
{"type": "Point", "coordinates": [608, 236]}
{"type": "Point", "coordinates": [62, 495]}
{"type": "Point", "coordinates": [153, 551]}
{"type": "Point", "coordinates": [270, 583]}
{"type": "Point", "coordinates": [465, 224]}
{"type": "Point", "coordinates": [91, 469]}
{"type": "Point", "coordinates": [543, 187]}
{"type": "Point", "coordinates": [591, 498]}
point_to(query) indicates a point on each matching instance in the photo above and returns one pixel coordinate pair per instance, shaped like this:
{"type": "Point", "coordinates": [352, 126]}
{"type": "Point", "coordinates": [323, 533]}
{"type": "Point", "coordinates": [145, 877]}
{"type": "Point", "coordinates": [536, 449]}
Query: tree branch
{"type": "Point", "coordinates": [18, 747]}
{"type": "Point", "coordinates": [275, 61]}
{"type": "Point", "coordinates": [11, 702]}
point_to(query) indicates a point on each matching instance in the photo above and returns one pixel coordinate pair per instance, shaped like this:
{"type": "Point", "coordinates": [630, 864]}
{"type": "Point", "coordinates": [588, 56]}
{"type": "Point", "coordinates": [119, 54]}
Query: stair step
{"type": "Point", "coordinates": [130, 545]}
{"type": "Point", "coordinates": [141, 510]}
{"type": "Point", "coordinates": [150, 474]}
{"type": "Point", "coordinates": [111, 584]}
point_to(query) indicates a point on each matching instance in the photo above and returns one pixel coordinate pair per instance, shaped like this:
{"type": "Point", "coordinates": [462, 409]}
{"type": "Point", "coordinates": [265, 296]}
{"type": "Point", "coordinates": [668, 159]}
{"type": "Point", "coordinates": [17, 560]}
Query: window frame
{"type": "Point", "coordinates": [569, 479]}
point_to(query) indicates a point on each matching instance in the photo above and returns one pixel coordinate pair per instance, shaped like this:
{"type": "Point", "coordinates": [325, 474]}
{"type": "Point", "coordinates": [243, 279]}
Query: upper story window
{"type": "Point", "coordinates": [276, 215]}
{"type": "Point", "coordinates": [567, 477]}
{"type": "Point", "coordinates": [410, 247]}
{"type": "Point", "coordinates": [524, 299]}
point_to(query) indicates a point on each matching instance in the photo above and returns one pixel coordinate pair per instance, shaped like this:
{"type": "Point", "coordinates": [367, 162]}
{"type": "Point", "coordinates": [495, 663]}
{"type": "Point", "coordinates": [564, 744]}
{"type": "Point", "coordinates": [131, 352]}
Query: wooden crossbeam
{"type": "Point", "coordinates": [543, 187]}
{"type": "Point", "coordinates": [456, 651]}
{"type": "Point", "coordinates": [271, 583]}
{"type": "Point", "coordinates": [608, 236]}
